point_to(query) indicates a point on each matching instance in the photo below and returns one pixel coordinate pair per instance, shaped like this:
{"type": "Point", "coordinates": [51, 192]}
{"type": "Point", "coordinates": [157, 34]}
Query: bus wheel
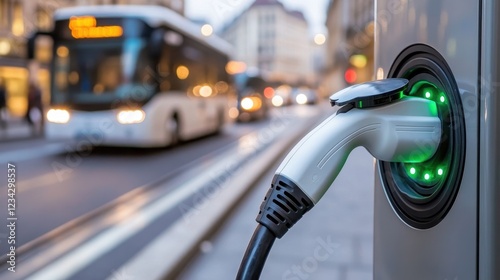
{"type": "Point", "coordinates": [173, 128]}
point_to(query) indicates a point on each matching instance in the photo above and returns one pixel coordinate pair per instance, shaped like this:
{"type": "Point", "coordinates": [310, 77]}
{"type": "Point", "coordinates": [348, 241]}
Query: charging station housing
{"type": "Point", "coordinates": [446, 224]}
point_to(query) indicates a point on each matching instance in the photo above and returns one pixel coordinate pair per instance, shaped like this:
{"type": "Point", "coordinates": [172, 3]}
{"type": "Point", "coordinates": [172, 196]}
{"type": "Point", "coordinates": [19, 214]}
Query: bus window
{"type": "Point", "coordinates": [84, 70]}
{"type": "Point", "coordinates": [108, 76]}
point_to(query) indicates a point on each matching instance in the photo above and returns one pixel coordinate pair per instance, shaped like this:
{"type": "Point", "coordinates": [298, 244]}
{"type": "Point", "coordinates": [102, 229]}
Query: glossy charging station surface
{"type": "Point", "coordinates": [444, 247]}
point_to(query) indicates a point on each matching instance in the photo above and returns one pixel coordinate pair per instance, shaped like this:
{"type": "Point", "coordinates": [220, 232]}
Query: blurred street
{"type": "Point", "coordinates": [74, 177]}
{"type": "Point", "coordinates": [70, 195]}
{"type": "Point", "coordinates": [141, 136]}
{"type": "Point", "coordinates": [340, 225]}
{"type": "Point", "coordinates": [141, 140]}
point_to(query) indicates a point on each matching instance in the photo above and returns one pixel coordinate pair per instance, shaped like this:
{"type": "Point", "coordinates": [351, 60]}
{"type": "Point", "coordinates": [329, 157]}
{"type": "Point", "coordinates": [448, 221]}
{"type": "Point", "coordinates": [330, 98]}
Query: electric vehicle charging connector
{"type": "Point", "coordinates": [376, 115]}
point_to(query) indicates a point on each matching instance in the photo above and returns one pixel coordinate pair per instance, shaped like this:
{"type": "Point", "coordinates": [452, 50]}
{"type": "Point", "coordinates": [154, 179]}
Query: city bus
{"type": "Point", "coordinates": [139, 76]}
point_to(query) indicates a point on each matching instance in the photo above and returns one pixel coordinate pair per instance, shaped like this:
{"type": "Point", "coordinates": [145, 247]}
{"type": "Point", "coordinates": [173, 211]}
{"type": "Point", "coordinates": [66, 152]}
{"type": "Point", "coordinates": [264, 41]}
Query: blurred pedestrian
{"type": "Point", "coordinates": [35, 111]}
{"type": "Point", "coordinates": [3, 104]}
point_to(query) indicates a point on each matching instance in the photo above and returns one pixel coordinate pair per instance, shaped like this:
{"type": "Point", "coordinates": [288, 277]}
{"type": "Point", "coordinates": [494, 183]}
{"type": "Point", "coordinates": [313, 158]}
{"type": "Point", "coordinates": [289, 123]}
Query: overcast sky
{"type": "Point", "coordinates": [219, 12]}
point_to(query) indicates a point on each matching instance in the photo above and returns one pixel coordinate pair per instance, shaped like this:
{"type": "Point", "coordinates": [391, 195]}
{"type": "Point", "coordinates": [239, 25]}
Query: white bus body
{"type": "Point", "coordinates": [139, 76]}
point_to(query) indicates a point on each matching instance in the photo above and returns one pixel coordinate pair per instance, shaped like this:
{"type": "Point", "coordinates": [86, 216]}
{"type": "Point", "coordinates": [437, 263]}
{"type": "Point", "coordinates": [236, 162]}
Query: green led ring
{"type": "Point", "coordinates": [429, 173]}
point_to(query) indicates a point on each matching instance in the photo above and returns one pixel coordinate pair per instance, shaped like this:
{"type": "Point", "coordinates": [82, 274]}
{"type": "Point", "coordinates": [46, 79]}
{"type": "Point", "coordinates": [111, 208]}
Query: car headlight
{"type": "Point", "coordinates": [252, 103]}
{"type": "Point", "coordinates": [131, 116]}
{"type": "Point", "coordinates": [277, 101]}
{"type": "Point", "coordinates": [58, 116]}
{"type": "Point", "coordinates": [301, 99]}
{"type": "Point", "coordinates": [246, 103]}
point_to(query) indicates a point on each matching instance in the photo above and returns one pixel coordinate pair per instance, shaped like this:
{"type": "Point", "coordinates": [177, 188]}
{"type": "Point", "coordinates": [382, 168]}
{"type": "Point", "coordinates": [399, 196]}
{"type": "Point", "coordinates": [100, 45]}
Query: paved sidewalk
{"type": "Point", "coordinates": [333, 241]}
{"type": "Point", "coordinates": [18, 128]}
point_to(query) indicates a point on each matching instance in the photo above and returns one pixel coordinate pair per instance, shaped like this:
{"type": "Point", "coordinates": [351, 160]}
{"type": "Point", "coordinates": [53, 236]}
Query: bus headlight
{"type": "Point", "coordinates": [301, 99]}
{"type": "Point", "coordinates": [130, 116]}
{"type": "Point", "coordinates": [58, 116]}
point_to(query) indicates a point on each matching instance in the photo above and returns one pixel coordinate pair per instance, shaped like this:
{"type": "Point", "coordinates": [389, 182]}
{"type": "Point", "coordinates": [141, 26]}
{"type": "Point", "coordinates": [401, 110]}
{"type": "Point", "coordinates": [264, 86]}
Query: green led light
{"type": "Point", "coordinates": [428, 173]}
{"type": "Point", "coordinates": [360, 104]}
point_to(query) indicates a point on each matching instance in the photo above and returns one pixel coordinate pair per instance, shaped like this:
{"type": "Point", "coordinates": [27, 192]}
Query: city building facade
{"type": "Point", "coordinates": [269, 37]}
{"type": "Point", "coordinates": [18, 20]}
{"type": "Point", "coordinates": [350, 48]}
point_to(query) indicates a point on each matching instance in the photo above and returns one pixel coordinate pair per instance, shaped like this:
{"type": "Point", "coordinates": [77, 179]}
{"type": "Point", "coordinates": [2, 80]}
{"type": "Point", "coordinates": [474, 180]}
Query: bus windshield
{"type": "Point", "coordinates": [101, 74]}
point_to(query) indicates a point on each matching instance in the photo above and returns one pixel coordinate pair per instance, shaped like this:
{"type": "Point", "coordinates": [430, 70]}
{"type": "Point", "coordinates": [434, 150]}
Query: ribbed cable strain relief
{"type": "Point", "coordinates": [285, 203]}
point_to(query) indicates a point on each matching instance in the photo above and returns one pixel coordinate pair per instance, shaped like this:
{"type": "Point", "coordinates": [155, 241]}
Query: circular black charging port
{"type": "Point", "coordinates": [423, 193]}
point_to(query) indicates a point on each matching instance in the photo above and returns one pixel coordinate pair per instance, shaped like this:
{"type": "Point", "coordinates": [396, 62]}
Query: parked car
{"type": "Point", "coordinates": [252, 105]}
{"type": "Point", "coordinates": [282, 96]}
{"type": "Point", "coordinates": [304, 96]}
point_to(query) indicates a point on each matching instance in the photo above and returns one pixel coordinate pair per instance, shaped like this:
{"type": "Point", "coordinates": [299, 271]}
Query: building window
{"type": "Point", "coordinates": [18, 20]}
{"type": "Point", "coordinates": [270, 18]}
{"type": "Point", "coordinates": [43, 18]}
{"type": "Point", "coordinates": [4, 19]}
{"type": "Point", "coordinates": [270, 35]}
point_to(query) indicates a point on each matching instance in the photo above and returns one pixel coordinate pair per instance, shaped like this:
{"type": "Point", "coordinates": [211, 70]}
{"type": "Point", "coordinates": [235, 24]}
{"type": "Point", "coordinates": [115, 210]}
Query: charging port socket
{"type": "Point", "coordinates": [422, 193]}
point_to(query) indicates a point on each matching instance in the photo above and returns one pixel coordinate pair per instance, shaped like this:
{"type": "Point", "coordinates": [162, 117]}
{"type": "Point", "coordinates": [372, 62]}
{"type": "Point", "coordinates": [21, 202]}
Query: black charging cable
{"type": "Point", "coordinates": [284, 204]}
{"type": "Point", "coordinates": [256, 253]}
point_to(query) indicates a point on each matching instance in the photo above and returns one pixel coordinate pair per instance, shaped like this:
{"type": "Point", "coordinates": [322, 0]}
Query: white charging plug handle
{"type": "Point", "coordinates": [408, 130]}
